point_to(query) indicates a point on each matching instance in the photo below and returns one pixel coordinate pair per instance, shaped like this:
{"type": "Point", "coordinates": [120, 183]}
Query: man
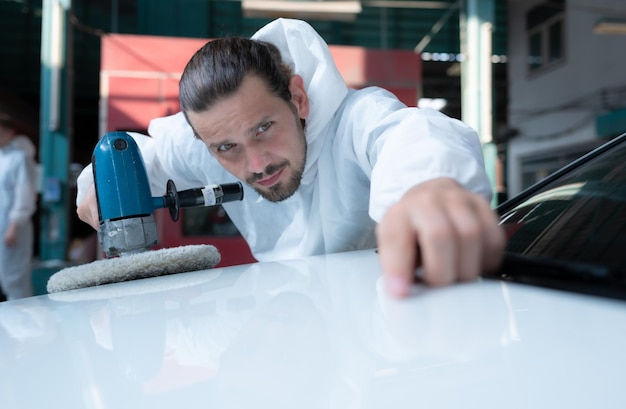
{"type": "Point", "coordinates": [17, 205]}
{"type": "Point", "coordinates": [327, 169]}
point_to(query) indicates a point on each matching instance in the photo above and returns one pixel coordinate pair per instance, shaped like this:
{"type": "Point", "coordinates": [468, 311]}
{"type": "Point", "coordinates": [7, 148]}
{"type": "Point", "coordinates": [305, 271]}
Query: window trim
{"type": "Point", "coordinates": [543, 29]}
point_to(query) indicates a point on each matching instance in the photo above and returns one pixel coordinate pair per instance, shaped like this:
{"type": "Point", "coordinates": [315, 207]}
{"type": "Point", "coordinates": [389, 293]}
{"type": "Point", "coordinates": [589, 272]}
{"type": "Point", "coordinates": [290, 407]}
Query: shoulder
{"type": "Point", "coordinates": [13, 159]}
{"type": "Point", "coordinates": [23, 143]}
{"type": "Point", "coordinates": [370, 108]}
{"type": "Point", "coordinates": [174, 133]}
{"type": "Point", "coordinates": [364, 116]}
{"type": "Point", "coordinates": [16, 153]}
{"type": "Point", "coordinates": [170, 126]}
{"type": "Point", "coordinates": [371, 102]}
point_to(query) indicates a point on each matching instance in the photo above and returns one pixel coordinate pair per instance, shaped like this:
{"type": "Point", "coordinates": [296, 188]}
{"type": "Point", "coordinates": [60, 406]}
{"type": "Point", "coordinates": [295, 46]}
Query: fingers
{"type": "Point", "coordinates": [494, 239]}
{"type": "Point", "coordinates": [455, 234]}
{"type": "Point", "coordinates": [438, 252]}
{"type": "Point", "coordinates": [467, 229]}
{"type": "Point", "coordinates": [417, 219]}
{"type": "Point", "coordinates": [87, 210]}
{"type": "Point", "coordinates": [397, 251]}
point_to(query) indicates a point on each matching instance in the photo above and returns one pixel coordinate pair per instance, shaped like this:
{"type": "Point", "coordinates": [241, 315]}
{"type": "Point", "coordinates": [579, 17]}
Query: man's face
{"type": "Point", "coordinates": [6, 135]}
{"type": "Point", "coordinates": [257, 136]}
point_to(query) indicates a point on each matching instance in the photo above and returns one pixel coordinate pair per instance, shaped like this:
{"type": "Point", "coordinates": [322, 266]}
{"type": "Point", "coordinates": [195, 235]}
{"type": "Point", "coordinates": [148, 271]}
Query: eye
{"type": "Point", "coordinates": [264, 127]}
{"type": "Point", "coordinates": [225, 147]}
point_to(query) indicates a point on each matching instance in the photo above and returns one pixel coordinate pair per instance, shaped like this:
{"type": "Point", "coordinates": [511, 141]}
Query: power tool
{"type": "Point", "coordinates": [125, 203]}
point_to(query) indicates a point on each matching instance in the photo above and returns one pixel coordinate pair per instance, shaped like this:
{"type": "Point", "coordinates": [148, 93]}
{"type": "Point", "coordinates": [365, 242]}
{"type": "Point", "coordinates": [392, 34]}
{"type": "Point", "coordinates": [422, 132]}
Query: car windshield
{"type": "Point", "coordinates": [575, 217]}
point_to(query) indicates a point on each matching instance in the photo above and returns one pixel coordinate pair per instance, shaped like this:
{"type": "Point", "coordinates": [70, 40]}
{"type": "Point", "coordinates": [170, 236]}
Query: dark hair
{"type": "Point", "coordinates": [6, 121]}
{"type": "Point", "coordinates": [217, 69]}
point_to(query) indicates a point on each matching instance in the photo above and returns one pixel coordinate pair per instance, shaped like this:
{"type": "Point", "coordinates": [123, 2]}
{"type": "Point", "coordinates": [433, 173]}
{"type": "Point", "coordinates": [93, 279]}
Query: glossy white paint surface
{"type": "Point", "coordinates": [311, 333]}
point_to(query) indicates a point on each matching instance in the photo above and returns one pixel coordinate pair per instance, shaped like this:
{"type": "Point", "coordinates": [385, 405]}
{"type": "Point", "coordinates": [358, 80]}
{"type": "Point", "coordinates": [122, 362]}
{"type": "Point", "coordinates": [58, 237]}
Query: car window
{"type": "Point", "coordinates": [578, 216]}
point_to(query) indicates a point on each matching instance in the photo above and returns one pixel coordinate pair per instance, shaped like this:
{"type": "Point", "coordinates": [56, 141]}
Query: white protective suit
{"type": "Point", "coordinates": [17, 204]}
{"type": "Point", "coordinates": [365, 150]}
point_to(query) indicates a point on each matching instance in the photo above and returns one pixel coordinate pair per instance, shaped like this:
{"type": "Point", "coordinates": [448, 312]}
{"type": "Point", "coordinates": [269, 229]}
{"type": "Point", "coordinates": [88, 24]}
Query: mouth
{"type": "Point", "coordinates": [272, 179]}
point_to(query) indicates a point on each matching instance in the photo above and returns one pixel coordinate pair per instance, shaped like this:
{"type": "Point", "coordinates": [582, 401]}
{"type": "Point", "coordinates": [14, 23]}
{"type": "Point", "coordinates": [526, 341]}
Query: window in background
{"type": "Point", "coordinates": [545, 31]}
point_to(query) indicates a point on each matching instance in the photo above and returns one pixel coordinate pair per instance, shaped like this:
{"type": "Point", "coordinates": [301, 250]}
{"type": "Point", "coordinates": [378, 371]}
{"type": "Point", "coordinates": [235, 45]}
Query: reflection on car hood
{"type": "Point", "coordinates": [318, 332]}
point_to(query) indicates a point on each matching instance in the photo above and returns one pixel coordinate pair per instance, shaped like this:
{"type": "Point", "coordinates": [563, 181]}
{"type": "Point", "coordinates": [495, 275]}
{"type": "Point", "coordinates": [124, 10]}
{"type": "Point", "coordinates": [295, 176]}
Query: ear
{"type": "Point", "coordinates": [298, 96]}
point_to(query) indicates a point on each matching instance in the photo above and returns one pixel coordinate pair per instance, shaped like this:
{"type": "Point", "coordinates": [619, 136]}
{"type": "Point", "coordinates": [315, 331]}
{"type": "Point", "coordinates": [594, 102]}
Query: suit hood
{"type": "Point", "coordinates": [308, 55]}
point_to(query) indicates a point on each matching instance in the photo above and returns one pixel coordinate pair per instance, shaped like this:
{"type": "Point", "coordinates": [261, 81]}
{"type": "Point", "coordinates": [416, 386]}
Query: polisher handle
{"type": "Point", "coordinates": [210, 195]}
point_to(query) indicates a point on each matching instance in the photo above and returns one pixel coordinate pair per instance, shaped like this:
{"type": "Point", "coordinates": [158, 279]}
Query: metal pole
{"type": "Point", "coordinates": [476, 28]}
{"type": "Point", "coordinates": [55, 129]}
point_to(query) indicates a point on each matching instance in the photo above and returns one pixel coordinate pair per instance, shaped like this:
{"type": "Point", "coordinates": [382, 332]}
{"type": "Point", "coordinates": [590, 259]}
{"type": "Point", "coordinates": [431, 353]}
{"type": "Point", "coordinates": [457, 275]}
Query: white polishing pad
{"type": "Point", "coordinates": [141, 265]}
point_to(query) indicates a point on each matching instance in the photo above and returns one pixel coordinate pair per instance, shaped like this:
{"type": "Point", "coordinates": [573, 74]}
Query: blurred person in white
{"type": "Point", "coordinates": [18, 202]}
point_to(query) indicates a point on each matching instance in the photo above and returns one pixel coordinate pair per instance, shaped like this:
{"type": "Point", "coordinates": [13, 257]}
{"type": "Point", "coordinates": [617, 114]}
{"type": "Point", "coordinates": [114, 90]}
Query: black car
{"type": "Point", "coordinates": [569, 230]}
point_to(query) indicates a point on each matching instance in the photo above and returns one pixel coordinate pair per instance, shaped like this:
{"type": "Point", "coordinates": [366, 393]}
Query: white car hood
{"type": "Point", "coordinates": [312, 333]}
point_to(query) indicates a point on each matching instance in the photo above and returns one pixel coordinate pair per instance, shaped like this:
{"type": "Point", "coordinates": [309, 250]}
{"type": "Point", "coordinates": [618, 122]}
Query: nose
{"type": "Point", "coordinates": [257, 159]}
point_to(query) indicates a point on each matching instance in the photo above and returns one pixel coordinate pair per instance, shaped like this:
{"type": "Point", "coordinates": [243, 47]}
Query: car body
{"type": "Point", "coordinates": [546, 331]}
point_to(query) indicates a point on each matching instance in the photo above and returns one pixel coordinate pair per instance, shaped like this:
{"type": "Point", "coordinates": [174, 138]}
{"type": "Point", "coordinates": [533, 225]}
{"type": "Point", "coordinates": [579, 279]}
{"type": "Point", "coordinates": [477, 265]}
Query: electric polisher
{"type": "Point", "coordinates": [127, 228]}
{"type": "Point", "coordinates": [125, 204]}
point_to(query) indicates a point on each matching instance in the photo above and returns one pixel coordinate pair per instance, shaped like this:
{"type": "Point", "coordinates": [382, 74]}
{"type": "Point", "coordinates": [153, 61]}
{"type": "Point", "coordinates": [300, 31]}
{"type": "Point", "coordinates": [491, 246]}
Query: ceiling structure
{"type": "Point", "coordinates": [430, 26]}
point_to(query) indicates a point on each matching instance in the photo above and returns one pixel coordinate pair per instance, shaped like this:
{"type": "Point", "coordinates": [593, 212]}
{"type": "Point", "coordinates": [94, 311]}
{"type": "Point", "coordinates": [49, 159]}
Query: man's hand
{"type": "Point", "coordinates": [453, 234]}
{"type": "Point", "coordinates": [10, 235]}
{"type": "Point", "coordinates": [87, 210]}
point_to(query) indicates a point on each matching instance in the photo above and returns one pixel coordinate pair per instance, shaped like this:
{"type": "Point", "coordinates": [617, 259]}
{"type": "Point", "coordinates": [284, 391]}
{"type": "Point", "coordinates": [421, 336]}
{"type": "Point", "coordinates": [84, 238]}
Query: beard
{"type": "Point", "coordinates": [282, 190]}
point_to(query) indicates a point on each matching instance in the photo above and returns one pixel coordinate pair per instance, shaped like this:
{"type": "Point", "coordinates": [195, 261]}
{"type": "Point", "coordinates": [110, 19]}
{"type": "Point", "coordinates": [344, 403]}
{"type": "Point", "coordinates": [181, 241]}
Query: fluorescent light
{"type": "Point", "coordinates": [434, 103]}
{"type": "Point", "coordinates": [344, 10]}
{"type": "Point", "coordinates": [610, 26]}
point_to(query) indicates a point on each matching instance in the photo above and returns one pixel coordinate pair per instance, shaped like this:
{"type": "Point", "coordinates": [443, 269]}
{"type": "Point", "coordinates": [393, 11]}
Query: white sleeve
{"type": "Point", "coordinates": [408, 146]}
{"type": "Point", "coordinates": [83, 182]}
